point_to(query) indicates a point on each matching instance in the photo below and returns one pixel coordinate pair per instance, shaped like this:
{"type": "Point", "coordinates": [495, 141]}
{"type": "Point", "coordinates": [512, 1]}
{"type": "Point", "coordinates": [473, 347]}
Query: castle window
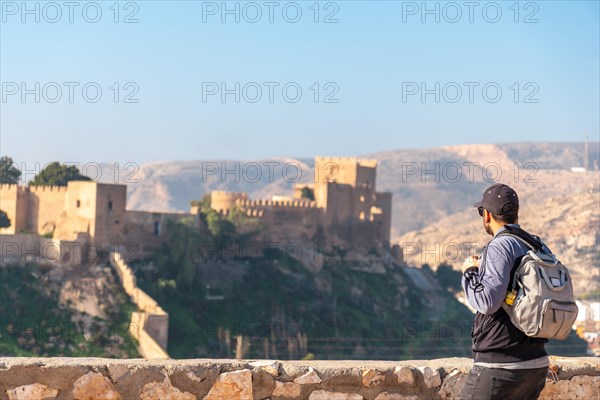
{"type": "Point", "coordinates": [78, 203]}
{"type": "Point", "coordinates": [362, 199]}
{"type": "Point", "coordinates": [110, 204]}
{"type": "Point", "coordinates": [362, 216]}
{"type": "Point", "coordinates": [156, 228]}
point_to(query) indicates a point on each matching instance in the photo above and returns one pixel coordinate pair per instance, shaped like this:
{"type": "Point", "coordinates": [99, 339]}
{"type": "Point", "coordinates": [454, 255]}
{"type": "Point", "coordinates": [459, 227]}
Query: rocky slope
{"type": "Point", "coordinates": [569, 224]}
{"type": "Point", "coordinates": [50, 310]}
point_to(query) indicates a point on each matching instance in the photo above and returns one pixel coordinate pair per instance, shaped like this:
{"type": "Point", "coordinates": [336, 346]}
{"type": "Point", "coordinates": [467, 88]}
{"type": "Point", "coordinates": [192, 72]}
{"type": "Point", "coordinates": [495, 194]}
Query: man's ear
{"type": "Point", "coordinates": [487, 216]}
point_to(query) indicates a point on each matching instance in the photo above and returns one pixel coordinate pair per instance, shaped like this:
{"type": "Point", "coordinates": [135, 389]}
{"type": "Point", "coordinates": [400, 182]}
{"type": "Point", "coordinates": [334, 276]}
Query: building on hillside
{"type": "Point", "coordinates": [90, 214]}
{"type": "Point", "coordinates": [589, 315]}
{"type": "Point", "coordinates": [342, 205]}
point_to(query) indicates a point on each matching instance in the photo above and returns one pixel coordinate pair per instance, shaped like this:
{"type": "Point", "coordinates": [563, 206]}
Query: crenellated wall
{"type": "Point", "coordinates": [44, 207]}
{"type": "Point", "coordinates": [295, 203]}
{"type": "Point", "coordinates": [218, 379]}
{"type": "Point", "coordinates": [287, 219]}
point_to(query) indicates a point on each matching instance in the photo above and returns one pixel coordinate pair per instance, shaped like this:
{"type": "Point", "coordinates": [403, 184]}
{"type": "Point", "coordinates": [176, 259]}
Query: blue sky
{"type": "Point", "coordinates": [375, 61]}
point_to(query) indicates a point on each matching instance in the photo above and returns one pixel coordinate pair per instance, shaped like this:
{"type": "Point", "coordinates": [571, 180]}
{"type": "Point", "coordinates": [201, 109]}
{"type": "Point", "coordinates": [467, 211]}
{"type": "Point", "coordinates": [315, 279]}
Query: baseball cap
{"type": "Point", "coordinates": [497, 196]}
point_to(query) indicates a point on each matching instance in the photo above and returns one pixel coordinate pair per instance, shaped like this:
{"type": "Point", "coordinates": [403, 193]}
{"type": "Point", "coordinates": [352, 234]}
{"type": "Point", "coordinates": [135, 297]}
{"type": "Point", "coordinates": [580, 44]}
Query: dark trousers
{"type": "Point", "coordinates": [497, 383]}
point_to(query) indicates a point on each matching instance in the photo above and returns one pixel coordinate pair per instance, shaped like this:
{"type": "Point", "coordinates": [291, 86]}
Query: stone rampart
{"type": "Point", "coordinates": [150, 324]}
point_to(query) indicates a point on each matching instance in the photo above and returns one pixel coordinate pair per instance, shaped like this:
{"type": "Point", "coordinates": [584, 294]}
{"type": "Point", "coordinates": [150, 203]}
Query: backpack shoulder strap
{"type": "Point", "coordinates": [524, 237]}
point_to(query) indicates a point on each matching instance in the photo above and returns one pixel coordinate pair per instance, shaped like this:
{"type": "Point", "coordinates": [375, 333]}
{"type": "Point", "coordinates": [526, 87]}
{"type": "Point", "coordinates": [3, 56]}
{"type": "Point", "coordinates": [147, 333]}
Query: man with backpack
{"type": "Point", "coordinates": [508, 364]}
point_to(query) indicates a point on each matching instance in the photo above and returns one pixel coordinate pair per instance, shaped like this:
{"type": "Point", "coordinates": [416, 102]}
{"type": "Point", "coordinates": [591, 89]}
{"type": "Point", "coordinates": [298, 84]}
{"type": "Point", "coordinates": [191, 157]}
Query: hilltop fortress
{"type": "Point", "coordinates": [342, 207]}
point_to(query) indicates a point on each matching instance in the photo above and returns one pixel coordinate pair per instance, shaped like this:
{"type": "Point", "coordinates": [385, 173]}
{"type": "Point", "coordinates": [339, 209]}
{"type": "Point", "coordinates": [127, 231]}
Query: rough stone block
{"type": "Point", "coordinates": [287, 389]}
{"type": "Point", "coordinates": [311, 377]}
{"type": "Point", "coordinates": [372, 377]}
{"type": "Point", "coordinates": [270, 366]}
{"type": "Point", "coordinates": [406, 375]}
{"type": "Point", "coordinates": [453, 385]}
{"type": "Point", "coordinates": [263, 384]}
{"type": "Point", "coordinates": [164, 390]}
{"type": "Point", "coordinates": [581, 387]}
{"type": "Point", "coordinates": [35, 391]}
{"type": "Point", "coordinates": [431, 377]}
{"type": "Point", "coordinates": [93, 386]}
{"type": "Point", "coordinates": [235, 385]}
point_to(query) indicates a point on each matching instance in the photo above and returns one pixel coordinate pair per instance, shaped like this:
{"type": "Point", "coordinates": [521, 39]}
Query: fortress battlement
{"type": "Point", "coordinates": [7, 187]}
{"type": "Point", "coordinates": [363, 162]}
{"type": "Point", "coordinates": [12, 187]}
{"type": "Point", "coordinates": [255, 212]}
{"type": "Point", "coordinates": [264, 203]}
{"type": "Point", "coordinates": [48, 188]}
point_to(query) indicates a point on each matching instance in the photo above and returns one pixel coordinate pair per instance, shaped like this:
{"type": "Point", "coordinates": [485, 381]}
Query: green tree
{"type": "Point", "coordinates": [58, 175]}
{"type": "Point", "coordinates": [222, 230]}
{"type": "Point", "coordinates": [307, 193]}
{"type": "Point", "coordinates": [238, 217]}
{"type": "Point", "coordinates": [9, 173]}
{"type": "Point", "coordinates": [4, 220]}
{"type": "Point", "coordinates": [203, 204]}
{"type": "Point", "coordinates": [177, 259]}
{"type": "Point", "coordinates": [448, 278]}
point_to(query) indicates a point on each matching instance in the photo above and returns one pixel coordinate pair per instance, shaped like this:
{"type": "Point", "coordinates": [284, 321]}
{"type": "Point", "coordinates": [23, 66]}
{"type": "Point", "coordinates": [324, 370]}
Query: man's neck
{"type": "Point", "coordinates": [499, 227]}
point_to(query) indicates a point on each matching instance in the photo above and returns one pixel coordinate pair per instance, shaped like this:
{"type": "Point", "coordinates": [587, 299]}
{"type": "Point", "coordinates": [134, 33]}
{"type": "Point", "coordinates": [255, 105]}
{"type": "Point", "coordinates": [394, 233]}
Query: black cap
{"type": "Point", "coordinates": [497, 196]}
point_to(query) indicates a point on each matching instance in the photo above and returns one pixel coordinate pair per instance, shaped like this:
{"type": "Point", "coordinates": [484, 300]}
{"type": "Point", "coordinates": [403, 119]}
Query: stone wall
{"type": "Point", "coordinates": [31, 247]}
{"type": "Point", "coordinates": [45, 205]}
{"type": "Point", "coordinates": [31, 209]}
{"type": "Point", "coordinates": [146, 231]}
{"type": "Point", "coordinates": [13, 203]}
{"type": "Point", "coordinates": [150, 325]}
{"type": "Point", "coordinates": [208, 379]}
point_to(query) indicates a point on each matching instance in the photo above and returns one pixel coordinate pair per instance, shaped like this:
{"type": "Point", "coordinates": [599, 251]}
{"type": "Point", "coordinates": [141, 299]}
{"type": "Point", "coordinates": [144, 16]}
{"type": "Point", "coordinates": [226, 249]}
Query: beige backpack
{"type": "Point", "coordinates": [540, 299]}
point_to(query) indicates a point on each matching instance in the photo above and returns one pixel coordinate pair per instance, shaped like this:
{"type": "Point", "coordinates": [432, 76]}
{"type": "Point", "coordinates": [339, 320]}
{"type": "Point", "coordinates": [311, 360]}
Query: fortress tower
{"type": "Point", "coordinates": [97, 209]}
{"type": "Point", "coordinates": [222, 201]}
{"type": "Point", "coordinates": [345, 187]}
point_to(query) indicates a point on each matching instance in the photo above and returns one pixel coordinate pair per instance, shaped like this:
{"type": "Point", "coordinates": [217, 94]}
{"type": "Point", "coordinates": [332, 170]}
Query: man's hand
{"type": "Point", "coordinates": [472, 261]}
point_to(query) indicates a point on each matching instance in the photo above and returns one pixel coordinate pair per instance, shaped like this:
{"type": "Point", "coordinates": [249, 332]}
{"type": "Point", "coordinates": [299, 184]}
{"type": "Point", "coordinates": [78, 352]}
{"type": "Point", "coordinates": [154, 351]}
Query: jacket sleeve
{"type": "Point", "coordinates": [485, 287]}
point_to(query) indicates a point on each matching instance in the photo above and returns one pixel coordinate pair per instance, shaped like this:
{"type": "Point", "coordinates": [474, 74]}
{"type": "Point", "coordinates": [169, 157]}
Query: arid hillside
{"type": "Point", "coordinates": [431, 184]}
{"type": "Point", "coordinates": [569, 225]}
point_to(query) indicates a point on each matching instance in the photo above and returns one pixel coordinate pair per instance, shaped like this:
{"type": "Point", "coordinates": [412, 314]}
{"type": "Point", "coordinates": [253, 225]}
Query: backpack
{"type": "Point", "coordinates": [541, 286]}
